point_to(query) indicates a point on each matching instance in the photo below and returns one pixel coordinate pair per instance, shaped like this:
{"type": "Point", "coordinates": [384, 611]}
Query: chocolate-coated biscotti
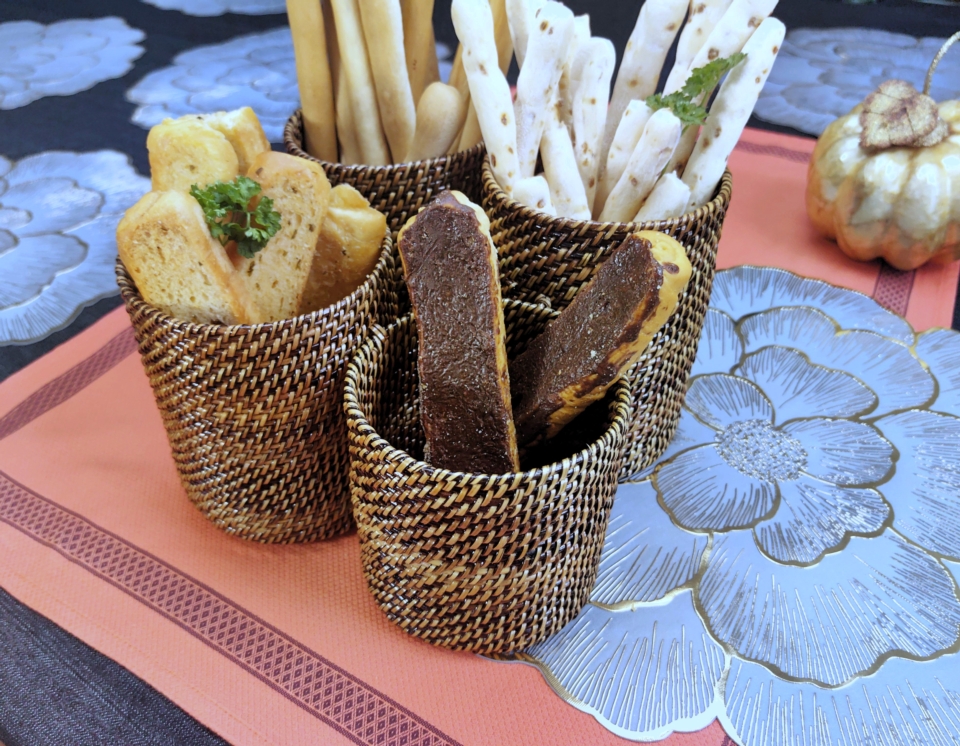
{"type": "Point", "coordinates": [450, 266]}
{"type": "Point", "coordinates": [598, 336]}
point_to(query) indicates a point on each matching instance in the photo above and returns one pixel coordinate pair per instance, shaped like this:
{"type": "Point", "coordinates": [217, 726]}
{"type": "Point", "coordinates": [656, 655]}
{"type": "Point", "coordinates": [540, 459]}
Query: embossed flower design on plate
{"type": "Point", "coordinates": [790, 566]}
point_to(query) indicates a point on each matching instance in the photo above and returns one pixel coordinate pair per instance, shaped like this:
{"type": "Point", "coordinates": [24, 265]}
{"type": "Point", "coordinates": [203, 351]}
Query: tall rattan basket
{"type": "Point", "coordinates": [254, 413]}
{"type": "Point", "coordinates": [546, 259]}
{"type": "Point", "coordinates": [487, 563]}
{"type": "Point", "coordinates": [398, 190]}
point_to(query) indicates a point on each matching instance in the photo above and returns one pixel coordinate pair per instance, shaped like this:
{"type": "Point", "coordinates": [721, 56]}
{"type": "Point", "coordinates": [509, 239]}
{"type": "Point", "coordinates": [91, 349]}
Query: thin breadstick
{"type": "Point", "coordinates": [458, 78]}
{"type": "Point", "coordinates": [359, 79]}
{"type": "Point", "coordinates": [383, 31]}
{"type": "Point", "coordinates": [537, 83]}
{"type": "Point", "coordinates": [657, 25]}
{"type": "Point", "coordinates": [560, 168]}
{"type": "Point", "coordinates": [595, 63]}
{"type": "Point", "coordinates": [520, 14]}
{"type": "Point", "coordinates": [656, 145]}
{"type": "Point", "coordinates": [313, 75]}
{"type": "Point", "coordinates": [678, 161]}
{"type": "Point", "coordinates": [701, 20]}
{"type": "Point", "coordinates": [628, 134]}
{"type": "Point", "coordinates": [440, 116]}
{"type": "Point", "coordinates": [669, 199]}
{"type": "Point", "coordinates": [730, 111]}
{"type": "Point", "coordinates": [333, 48]}
{"type": "Point", "coordinates": [418, 45]}
{"type": "Point", "coordinates": [569, 79]}
{"type": "Point", "coordinates": [346, 130]}
{"type": "Point", "coordinates": [733, 29]}
{"type": "Point", "coordinates": [534, 191]}
{"type": "Point", "coordinates": [471, 133]}
{"type": "Point", "coordinates": [473, 22]}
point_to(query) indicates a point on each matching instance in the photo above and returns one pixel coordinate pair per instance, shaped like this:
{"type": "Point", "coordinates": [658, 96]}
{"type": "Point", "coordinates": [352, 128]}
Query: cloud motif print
{"type": "Point", "coordinates": [58, 220]}
{"type": "Point", "coordinates": [219, 7]}
{"type": "Point", "coordinates": [255, 70]}
{"type": "Point", "coordinates": [63, 58]}
{"type": "Point", "coordinates": [790, 566]}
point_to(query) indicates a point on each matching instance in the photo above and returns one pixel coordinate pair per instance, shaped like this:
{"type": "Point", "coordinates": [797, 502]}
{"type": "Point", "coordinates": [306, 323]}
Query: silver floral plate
{"type": "Point", "coordinates": [791, 565]}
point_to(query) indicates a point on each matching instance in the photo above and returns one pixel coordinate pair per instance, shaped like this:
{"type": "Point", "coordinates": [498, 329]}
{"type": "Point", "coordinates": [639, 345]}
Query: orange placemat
{"type": "Point", "coordinates": [283, 645]}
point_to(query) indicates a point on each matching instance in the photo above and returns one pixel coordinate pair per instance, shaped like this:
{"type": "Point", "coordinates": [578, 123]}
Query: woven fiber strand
{"type": "Point", "coordinates": [254, 413]}
{"type": "Point", "coordinates": [486, 563]}
{"type": "Point", "coordinates": [543, 258]}
{"type": "Point", "coordinates": [398, 190]}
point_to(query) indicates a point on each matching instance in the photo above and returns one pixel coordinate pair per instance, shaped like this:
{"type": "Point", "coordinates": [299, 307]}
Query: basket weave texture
{"type": "Point", "coordinates": [547, 260]}
{"type": "Point", "coordinates": [398, 190]}
{"type": "Point", "coordinates": [487, 563]}
{"type": "Point", "coordinates": [254, 413]}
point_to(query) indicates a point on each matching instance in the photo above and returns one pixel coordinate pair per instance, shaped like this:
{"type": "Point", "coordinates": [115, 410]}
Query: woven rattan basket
{"type": "Point", "coordinates": [398, 190]}
{"type": "Point", "coordinates": [545, 258]}
{"type": "Point", "coordinates": [487, 563]}
{"type": "Point", "coordinates": [254, 413]}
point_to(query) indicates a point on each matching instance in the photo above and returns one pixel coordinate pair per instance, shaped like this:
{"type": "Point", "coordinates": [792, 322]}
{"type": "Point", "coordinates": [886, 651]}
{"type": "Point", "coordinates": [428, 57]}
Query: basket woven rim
{"type": "Point", "coordinates": [618, 427]}
{"type": "Point", "coordinates": [293, 139]}
{"type": "Point", "coordinates": [721, 200]}
{"type": "Point", "coordinates": [131, 295]}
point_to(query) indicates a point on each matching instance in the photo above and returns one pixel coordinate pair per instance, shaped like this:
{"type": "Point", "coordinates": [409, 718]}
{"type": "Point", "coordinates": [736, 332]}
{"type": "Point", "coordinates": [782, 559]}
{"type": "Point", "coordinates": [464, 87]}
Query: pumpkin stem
{"type": "Point", "coordinates": [936, 61]}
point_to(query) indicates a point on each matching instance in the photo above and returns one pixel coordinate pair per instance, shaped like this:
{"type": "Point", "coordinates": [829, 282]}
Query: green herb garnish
{"type": "Point", "coordinates": [226, 206]}
{"type": "Point", "coordinates": [687, 104]}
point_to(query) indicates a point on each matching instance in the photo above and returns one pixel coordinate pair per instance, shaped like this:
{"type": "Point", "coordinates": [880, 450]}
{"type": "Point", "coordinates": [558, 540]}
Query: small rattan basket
{"type": "Point", "coordinates": [549, 259]}
{"type": "Point", "coordinates": [487, 563]}
{"type": "Point", "coordinates": [398, 190]}
{"type": "Point", "coordinates": [254, 413]}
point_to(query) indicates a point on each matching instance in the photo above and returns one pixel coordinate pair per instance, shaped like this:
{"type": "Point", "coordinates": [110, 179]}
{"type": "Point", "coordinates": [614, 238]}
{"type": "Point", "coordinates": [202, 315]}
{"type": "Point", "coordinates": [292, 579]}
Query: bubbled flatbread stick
{"type": "Point", "coordinates": [595, 63]}
{"type": "Point", "coordinates": [560, 168]}
{"type": "Point", "coordinates": [520, 14]}
{"type": "Point", "coordinates": [314, 78]}
{"type": "Point", "coordinates": [653, 151]}
{"type": "Point", "coordinates": [440, 116]}
{"type": "Point", "coordinates": [356, 66]}
{"type": "Point", "coordinates": [701, 20]}
{"type": "Point", "coordinates": [657, 25]}
{"type": "Point", "coordinates": [730, 111]}
{"type": "Point", "coordinates": [534, 191]}
{"type": "Point", "coordinates": [569, 80]}
{"type": "Point", "coordinates": [539, 77]}
{"type": "Point", "coordinates": [473, 22]}
{"type": "Point", "coordinates": [628, 134]}
{"type": "Point", "coordinates": [669, 199]}
{"type": "Point", "coordinates": [383, 31]}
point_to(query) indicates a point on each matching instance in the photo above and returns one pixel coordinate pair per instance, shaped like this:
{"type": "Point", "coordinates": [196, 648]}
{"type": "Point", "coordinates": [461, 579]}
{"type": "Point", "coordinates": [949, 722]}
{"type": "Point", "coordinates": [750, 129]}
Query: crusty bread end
{"type": "Point", "coordinates": [188, 151]}
{"type": "Point", "coordinates": [242, 128]}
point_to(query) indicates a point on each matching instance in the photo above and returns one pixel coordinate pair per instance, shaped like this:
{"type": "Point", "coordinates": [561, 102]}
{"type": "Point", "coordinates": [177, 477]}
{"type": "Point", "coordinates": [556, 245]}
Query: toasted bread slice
{"type": "Point", "coordinates": [189, 151]}
{"type": "Point", "coordinates": [166, 247]}
{"type": "Point", "coordinates": [451, 270]}
{"type": "Point", "coordinates": [351, 238]}
{"type": "Point", "coordinates": [242, 128]}
{"type": "Point", "coordinates": [599, 336]}
{"type": "Point", "coordinates": [276, 276]}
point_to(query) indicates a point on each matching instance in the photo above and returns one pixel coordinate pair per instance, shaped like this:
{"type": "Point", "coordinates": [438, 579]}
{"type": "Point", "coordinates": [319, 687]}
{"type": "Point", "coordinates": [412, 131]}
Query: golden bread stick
{"type": "Point", "coordinates": [653, 151]}
{"type": "Point", "coordinates": [440, 116]}
{"type": "Point", "coordinates": [470, 134]}
{"type": "Point", "coordinates": [418, 45]}
{"type": "Point", "coordinates": [383, 31]}
{"type": "Point", "coordinates": [501, 33]}
{"type": "Point", "coordinates": [346, 131]}
{"type": "Point", "coordinates": [356, 65]}
{"type": "Point", "coordinates": [313, 76]}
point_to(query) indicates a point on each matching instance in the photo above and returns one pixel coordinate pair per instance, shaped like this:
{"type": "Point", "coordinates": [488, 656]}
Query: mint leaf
{"type": "Point", "coordinates": [687, 104]}
{"type": "Point", "coordinates": [226, 206]}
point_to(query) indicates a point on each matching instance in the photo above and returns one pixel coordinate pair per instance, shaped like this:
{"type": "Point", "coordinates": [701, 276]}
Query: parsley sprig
{"type": "Point", "coordinates": [689, 103]}
{"type": "Point", "coordinates": [227, 208]}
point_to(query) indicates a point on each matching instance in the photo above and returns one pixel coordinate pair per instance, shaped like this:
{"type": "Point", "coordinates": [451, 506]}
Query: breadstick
{"type": "Point", "coordinates": [702, 19]}
{"type": "Point", "coordinates": [440, 116]}
{"type": "Point", "coordinates": [473, 22]}
{"type": "Point", "coordinates": [730, 111]}
{"type": "Point", "coordinates": [569, 79]}
{"type": "Point", "coordinates": [678, 161]}
{"type": "Point", "coordinates": [458, 78]}
{"type": "Point", "coordinates": [333, 47]}
{"type": "Point", "coordinates": [657, 25]}
{"type": "Point", "coordinates": [534, 191]}
{"type": "Point", "coordinates": [656, 145]}
{"type": "Point", "coordinates": [520, 14]}
{"type": "Point", "coordinates": [346, 130]}
{"type": "Point", "coordinates": [560, 167]}
{"type": "Point", "coordinates": [418, 45]}
{"type": "Point", "coordinates": [669, 199]}
{"type": "Point", "coordinates": [595, 63]}
{"type": "Point", "coordinates": [501, 33]}
{"type": "Point", "coordinates": [730, 34]}
{"type": "Point", "coordinates": [313, 74]}
{"type": "Point", "coordinates": [537, 83]}
{"type": "Point", "coordinates": [471, 134]}
{"type": "Point", "coordinates": [383, 31]}
{"type": "Point", "coordinates": [356, 64]}
{"type": "Point", "coordinates": [628, 134]}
